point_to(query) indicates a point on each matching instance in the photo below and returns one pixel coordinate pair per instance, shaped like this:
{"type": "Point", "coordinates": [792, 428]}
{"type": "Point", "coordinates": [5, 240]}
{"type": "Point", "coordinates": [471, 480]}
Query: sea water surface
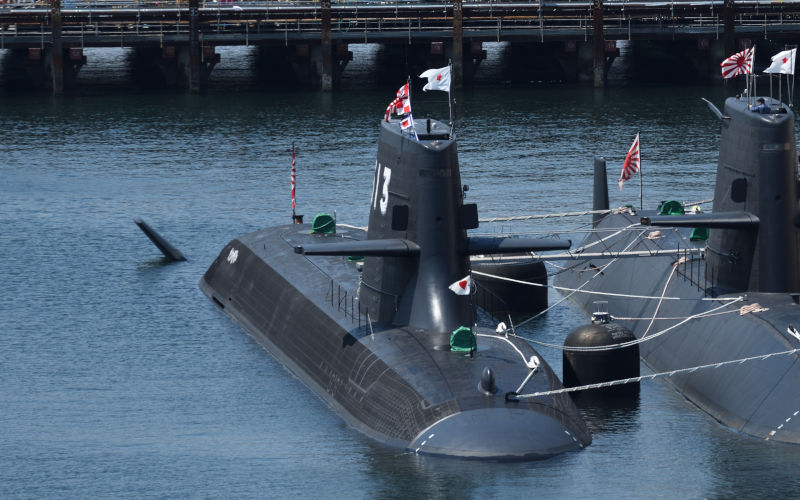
{"type": "Point", "coordinates": [119, 379]}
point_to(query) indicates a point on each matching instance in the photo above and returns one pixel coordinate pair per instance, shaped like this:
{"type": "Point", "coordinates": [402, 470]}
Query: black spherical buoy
{"type": "Point", "coordinates": [595, 366]}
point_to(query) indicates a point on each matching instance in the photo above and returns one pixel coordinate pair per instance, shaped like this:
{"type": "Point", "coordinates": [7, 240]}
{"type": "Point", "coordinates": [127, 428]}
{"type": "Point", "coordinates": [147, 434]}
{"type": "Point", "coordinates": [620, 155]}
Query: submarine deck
{"type": "Point", "coordinates": [683, 320]}
{"type": "Point", "coordinates": [399, 385]}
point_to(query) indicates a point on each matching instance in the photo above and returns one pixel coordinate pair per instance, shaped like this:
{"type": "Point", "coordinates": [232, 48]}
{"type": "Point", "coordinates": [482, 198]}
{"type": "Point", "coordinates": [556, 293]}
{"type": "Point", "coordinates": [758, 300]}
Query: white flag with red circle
{"type": "Point", "coordinates": [783, 62]}
{"type": "Point", "coordinates": [438, 79]}
{"type": "Point", "coordinates": [462, 286]}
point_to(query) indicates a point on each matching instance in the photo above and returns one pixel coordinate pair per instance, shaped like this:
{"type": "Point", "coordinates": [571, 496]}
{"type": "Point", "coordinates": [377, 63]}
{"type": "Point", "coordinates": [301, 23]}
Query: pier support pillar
{"type": "Point", "coordinates": [57, 52]}
{"type": "Point", "coordinates": [194, 46]}
{"type": "Point", "coordinates": [683, 61]}
{"type": "Point", "coordinates": [579, 61]}
{"type": "Point", "coordinates": [457, 78]}
{"type": "Point", "coordinates": [171, 66]}
{"type": "Point", "coordinates": [302, 65]}
{"type": "Point", "coordinates": [425, 55]}
{"type": "Point", "coordinates": [598, 45]}
{"type": "Point", "coordinates": [729, 31]}
{"type": "Point", "coordinates": [326, 76]}
{"type": "Point", "coordinates": [33, 67]}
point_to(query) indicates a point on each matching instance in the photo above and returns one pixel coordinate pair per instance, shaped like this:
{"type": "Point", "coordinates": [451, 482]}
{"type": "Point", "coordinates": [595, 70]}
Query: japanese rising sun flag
{"type": "Point", "coordinates": [782, 62]}
{"type": "Point", "coordinates": [631, 165]}
{"type": "Point", "coordinates": [740, 63]}
{"type": "Point", "coordinates": [462, 286]}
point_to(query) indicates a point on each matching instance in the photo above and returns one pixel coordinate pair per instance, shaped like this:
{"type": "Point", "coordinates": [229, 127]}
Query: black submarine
{"type": "Point", "coordinates": [721, 291]}
{"type": "Point", "coordinates": [372, 326]}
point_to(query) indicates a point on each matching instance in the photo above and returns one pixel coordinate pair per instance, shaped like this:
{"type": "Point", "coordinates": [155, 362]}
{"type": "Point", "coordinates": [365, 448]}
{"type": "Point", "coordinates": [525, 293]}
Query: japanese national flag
{"type": "Point", "coordinates": [438, 79]}
{"type": "Point", "coordinates": [783, 62]}
{"type": "Point", "coordinates": [462, 286]}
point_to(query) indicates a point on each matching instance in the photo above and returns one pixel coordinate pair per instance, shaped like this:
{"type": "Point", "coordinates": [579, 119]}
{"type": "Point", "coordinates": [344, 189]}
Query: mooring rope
{"type": "Point", "coordinates": [543, 216]}
{"type": "Point", "coordinates": [531, 364]}
{"type": "Point", "coordinates": [667, 318]}
{"type": "Point", "coordinates": [640, 340]}
{"type": "Point", "coordinates": [604, 238]}
{"type": "Point", "coordinates": [663, 292]}
{"type": "Point", "coordinates": [701, 202]}
{"type": "Point", "coordinates": [349, 226]}
{"type": "Point", "coordinates": [593, 292]}
{"type": "Point", "coordinates": [598, 273]}
{"type": "Point", "coordinates": [565, 297]}
{"type": "Point", "coordinates": [652, 376]}
{"type": "Point", "coordinates": [553, 232]}
{"type": "Point", "coordinates": [513, 218]}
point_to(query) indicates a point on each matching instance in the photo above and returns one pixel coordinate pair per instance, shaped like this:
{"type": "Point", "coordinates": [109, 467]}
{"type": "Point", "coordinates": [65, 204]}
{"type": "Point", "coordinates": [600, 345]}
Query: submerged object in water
{"type": "Point", "coordinates": [698, 303]}
{"type": "Point", "coordinates": [169, 251]}
{"type": "Point", "coordinates": [392, 344]}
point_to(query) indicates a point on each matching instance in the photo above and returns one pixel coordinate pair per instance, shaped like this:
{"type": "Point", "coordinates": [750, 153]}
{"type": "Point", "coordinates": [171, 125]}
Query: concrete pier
{"type": "Point", "coordinates": [194, 46]}
{"type": "Point", "coordinates": [457, 78]}
{"type": "Point", "coordinates": [306, 43]}
{"type": "Point", "coordinates": [598, 45]}
{"type": "Point", "coordinates": [326, 80]}
{"type": "Point", "coordinates": [57, 51]}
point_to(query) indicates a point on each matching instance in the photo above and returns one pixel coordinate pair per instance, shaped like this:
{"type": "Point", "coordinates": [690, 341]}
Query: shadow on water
{"type": "Point", "coordinates": [612, 414]}
{"type": "Point", "coordinates": [408, 475]}
{"type": "Point", "coordinates": [157, 263]}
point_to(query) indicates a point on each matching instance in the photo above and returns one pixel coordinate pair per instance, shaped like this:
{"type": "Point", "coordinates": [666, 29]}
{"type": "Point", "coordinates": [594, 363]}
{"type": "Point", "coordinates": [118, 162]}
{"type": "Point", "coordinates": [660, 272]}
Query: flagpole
{"type": "Point", "coordinates": [790, 81]}
{"type": "Point", "coordinates": [450, 98]}
{"type": "Point", "coordinates": [641, 183]}
{"type": "Point", "coordinates": [411, 114]}
{"type": "Point", "coordinates": [753, 75]}
{"type": "Point", "coordinates": [755, 86]}
{"type": "Point", "coordinates": [294, 217]}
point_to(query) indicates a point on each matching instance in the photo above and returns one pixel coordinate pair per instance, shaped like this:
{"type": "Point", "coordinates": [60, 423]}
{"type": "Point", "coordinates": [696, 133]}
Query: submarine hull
{"type": "Point", "coordinates": [760, 397]}
{"type": "Point", "coordinates": [399, 385]}
{"type": "Point", "coordinates": [733, 297]}
{"type": "Point", "coordinates": [512, 294]}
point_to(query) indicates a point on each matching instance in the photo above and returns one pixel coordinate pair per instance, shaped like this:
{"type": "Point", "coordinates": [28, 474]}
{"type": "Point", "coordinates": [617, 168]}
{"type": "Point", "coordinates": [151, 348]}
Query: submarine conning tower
{"type": "Point", "coordinates": [417, 250]}
{"type": "Point", "coordinates": [417, 197]}
{"type": "Point", "coordinates": [757, 175]}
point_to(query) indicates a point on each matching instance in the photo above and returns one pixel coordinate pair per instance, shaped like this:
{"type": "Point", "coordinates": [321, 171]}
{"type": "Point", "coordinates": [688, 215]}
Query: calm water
{"type": "Point", "coordinates": [118, 378]}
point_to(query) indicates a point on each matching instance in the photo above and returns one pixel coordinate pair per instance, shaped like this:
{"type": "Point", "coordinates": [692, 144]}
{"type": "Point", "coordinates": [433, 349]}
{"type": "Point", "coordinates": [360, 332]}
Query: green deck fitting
{"type": "Point", "coordinates": [463, 340]}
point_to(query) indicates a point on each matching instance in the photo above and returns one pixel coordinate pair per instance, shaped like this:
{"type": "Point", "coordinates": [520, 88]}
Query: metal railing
{"type": "Point", "coordinates": [359, 20]}
{"type": "Point", "coordinates": [346, 301]}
